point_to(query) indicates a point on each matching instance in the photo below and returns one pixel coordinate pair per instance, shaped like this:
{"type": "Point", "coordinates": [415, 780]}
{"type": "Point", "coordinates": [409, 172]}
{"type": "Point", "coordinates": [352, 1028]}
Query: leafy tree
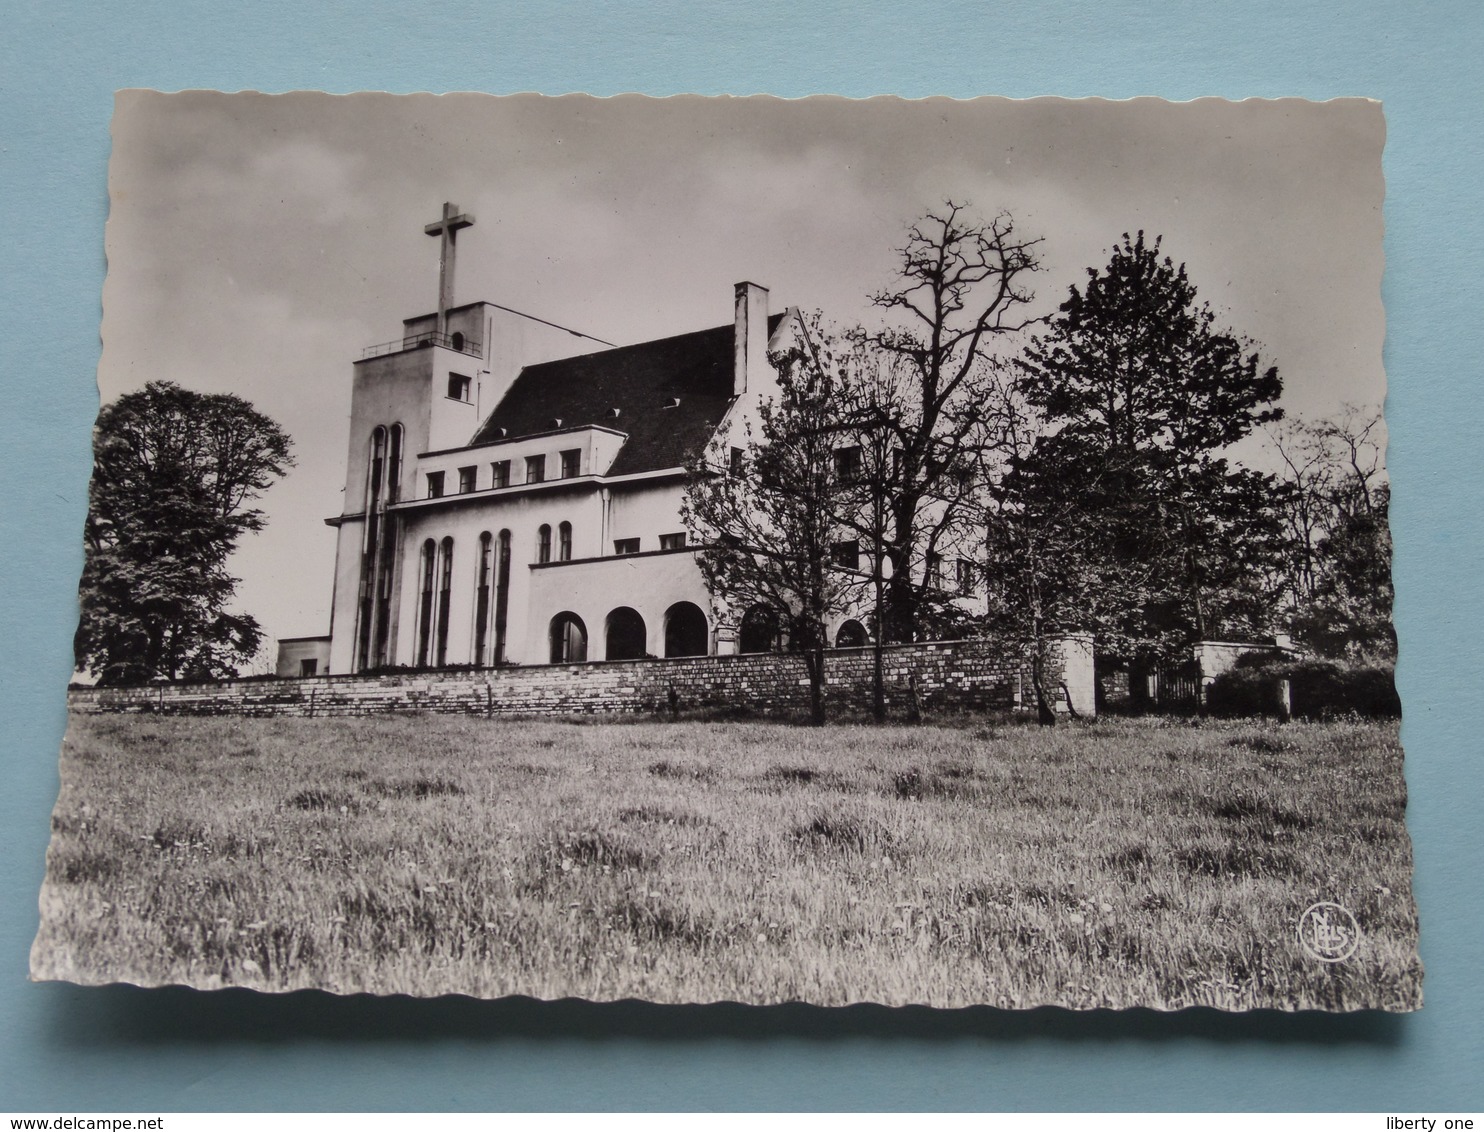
{"type": "Point", "coordinates": [1141, 395]}
{"type": "Point", "coordinates": [767, 523]}
{"type": "Point", "coordinates": [175, 474]}
{"type": "Point", "coordinates": [960, 292]}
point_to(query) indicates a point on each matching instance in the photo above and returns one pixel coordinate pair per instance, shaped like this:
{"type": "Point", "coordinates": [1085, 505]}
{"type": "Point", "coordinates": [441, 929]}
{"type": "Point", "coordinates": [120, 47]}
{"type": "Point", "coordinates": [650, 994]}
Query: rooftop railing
{"type": "Point", "coordinates": [455, 342]}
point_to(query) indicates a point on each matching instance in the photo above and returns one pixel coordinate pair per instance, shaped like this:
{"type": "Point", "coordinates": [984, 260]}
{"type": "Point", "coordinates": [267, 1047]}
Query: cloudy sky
{"type": "Point", "coordinates": [257, 243]}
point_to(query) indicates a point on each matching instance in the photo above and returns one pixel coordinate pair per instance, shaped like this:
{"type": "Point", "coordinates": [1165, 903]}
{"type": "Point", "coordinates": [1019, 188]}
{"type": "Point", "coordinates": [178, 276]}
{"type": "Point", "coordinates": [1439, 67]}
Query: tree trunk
{"type": "Point", "coordinates": [816, 686]}
{"type": "Point", "coordinates": [878, 674]}
{"type": "Point", "coordinates": [1045, 714]}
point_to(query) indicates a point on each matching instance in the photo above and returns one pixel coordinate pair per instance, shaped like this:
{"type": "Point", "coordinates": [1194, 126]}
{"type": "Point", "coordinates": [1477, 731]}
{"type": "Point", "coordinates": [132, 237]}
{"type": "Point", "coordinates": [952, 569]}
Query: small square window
{"type": "Point", "coordinates": [968, 582]}
{"type": "Point", "coordinates": [466, 480]}
{"type": "Point", "coordinates": [847, 464]}
{"type": "Point", "coordinates": [501, 470]}
{"type": "Point", "coordinates": [535, 469]}
{"type": "Point", "coordinates": [673, 542]}
{"type": "Point", "coordinates": [309, 667]}
{"type": "Point", "coordinates": [459, 387]}
{"type": "Point", "coordinates": [435, 484]}
{"type": "Point", "coordinates": [625, 546]}
{"type": "Point", "coordinates": [846, 554]}
{"type": "Point", "coordinates": [571, 463]}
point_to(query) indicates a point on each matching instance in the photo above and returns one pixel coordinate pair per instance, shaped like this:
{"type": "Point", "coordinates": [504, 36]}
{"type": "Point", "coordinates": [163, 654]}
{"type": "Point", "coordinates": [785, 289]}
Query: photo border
{"type": "Point", "coordinates": [119, 1048]}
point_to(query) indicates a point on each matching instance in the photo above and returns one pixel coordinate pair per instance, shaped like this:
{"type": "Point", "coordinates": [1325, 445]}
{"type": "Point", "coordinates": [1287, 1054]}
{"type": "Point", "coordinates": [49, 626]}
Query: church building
{"type": "Point", "coordinates": [513, 494]}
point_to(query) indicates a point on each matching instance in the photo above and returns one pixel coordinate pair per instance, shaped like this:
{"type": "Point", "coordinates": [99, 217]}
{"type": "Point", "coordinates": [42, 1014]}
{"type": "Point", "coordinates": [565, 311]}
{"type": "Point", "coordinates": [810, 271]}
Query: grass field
{"type": "Point", "coordinates": [1119, 863]}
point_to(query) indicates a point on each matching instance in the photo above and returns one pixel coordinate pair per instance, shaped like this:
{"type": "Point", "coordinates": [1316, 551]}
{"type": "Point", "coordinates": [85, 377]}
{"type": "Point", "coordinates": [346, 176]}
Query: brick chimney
{"type": "Point", "coordinates": [751, 357]}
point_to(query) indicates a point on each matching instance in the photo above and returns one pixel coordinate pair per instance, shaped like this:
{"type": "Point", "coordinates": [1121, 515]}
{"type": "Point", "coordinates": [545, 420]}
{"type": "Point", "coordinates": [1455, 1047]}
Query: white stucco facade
{"type": "Point", "coordinates": [463, 541]}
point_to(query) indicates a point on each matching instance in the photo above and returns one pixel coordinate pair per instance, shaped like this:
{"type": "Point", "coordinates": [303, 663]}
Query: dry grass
{"type": "Point", "coordinates": [1114, 864]}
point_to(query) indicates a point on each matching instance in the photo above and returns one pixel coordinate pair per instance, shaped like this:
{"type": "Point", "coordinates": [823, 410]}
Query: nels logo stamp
{"type": "Point", "coordinates": [1328, 932]}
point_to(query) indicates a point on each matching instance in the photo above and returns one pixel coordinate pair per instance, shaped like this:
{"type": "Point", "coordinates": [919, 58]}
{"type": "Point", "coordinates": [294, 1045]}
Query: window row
{"type": "Point", "coordinates": [847, 555]}
{"type": "Point", "coordinates": [761, 630]}
{"type": "Point", "coordinates": [944, 470]}
{"type": "Point", "coordinates": [684, 632]}
{"type": "Point", "coordinates": [491, 600]}
{"type": "Point", "coordinates": [384, 466]}
{"type": "Point", "coordinates": [563, 544]}
{"type": "Point", "coordinates": [500, 472]}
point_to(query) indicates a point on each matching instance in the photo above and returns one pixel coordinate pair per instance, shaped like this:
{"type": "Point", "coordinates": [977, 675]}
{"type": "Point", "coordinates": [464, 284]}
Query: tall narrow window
{"type": "Point", "coordinates": [535, 469]}
{"type": "Point", "coordinates": [435, 484]}
{"type": "Point", "coordinates": [380, 655]}
{"type": "Point", "coordinates": [934, 572]}
{"type": "Point", "coordinates": [466, 479]}
{"type": "Point", "coordinates": [388, 550]}
{"type": "Point", "coordinates": [735, 467]}
{"type": "Point", "coordinates": [371, 545]}
{"type": "Point", "coordinates": [445, 579]}
{"type": "Point", "coordinates": [425, 602]}
{"type": "Point", "coordinates": [376, 475]}
{"type": "Point", "coordinates": [482, 596]}
{"type": "Point", "coordinates": [501, 470]}
{"type": "Point", "coordinates": [543, 544]}
{"type": "Point", "coordinates": [571, 463]}
{"type": "Point", "coordinates": [394, 466]}
{"type": "Point", "coordinates": [564, 543]}
{"type": "Point", "coordinates": [502, 595]}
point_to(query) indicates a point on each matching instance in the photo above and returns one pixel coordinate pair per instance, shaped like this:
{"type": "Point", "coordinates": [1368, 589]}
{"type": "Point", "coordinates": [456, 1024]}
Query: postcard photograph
{"type": "Point", "coordinates": [739, 549]}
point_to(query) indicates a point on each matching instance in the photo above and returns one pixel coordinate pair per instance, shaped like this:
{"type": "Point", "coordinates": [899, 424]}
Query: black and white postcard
{"type": "Point", "coordinates": [740, 549]}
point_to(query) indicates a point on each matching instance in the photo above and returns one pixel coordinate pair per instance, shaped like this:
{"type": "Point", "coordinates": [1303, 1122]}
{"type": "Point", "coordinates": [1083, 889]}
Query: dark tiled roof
{"type": "Point", "coordinates": [637, 380]}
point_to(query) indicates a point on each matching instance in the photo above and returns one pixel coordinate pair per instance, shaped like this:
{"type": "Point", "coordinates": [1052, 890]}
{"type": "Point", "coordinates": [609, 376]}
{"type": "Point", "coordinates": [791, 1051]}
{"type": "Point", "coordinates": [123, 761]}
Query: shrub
{"type": "Point", "coordinates": [1321, 689]}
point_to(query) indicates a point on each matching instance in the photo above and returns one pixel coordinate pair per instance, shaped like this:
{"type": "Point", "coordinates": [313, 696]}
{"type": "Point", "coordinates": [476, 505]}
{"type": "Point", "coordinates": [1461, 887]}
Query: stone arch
{"type": "Point", "coordinates": [686, 630]}
{"type": "Point", "coordinates": [568, 637]}
{"type": "Point", "coordinates": [625, 636]}
{"type": "Point", "coordinates": [852, 635]}
{"type": "Point", "coordinates": [759, 630]}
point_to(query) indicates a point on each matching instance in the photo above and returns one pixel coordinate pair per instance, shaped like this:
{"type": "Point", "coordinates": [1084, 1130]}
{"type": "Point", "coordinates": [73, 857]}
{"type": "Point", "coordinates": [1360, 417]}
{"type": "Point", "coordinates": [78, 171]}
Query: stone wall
{"type": "Point", "coordinates": [951, 676]}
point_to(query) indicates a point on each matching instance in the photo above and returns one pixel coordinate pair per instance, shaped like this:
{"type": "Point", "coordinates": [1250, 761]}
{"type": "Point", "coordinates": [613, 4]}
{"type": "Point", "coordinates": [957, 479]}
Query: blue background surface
{"type": "Point", "coordinates": [65, 1048]}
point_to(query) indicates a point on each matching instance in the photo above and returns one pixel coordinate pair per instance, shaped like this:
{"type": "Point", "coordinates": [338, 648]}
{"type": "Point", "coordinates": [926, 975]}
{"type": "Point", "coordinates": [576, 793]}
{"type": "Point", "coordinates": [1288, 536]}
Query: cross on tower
{"type": "Point", "coordinates": [447, 228]}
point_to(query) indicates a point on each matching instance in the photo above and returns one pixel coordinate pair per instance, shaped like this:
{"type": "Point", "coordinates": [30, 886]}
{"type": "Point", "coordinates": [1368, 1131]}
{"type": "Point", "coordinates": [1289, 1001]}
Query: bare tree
{"type": "Point", "coordinates": [1336, 510]}
{"type": "Point", "coordinates": [766, 523]}
{"type": "Point", "coordinates": [871, 397]}
{"type": "Point", "coordinates": [959, 293]}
